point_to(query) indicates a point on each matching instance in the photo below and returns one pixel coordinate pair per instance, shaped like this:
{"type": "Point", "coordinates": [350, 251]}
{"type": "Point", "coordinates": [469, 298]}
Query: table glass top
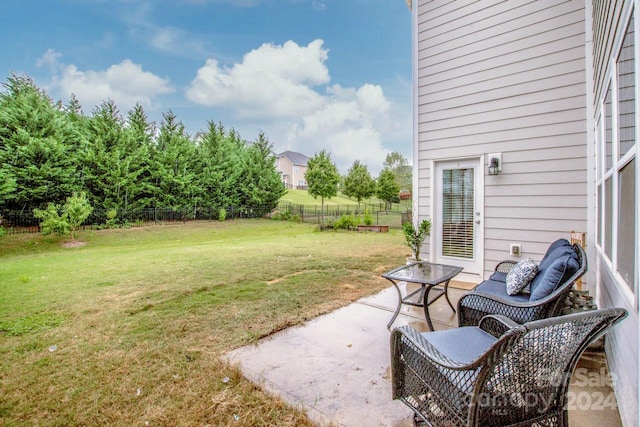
{"type": "Point", "coordinates": [423, 272]}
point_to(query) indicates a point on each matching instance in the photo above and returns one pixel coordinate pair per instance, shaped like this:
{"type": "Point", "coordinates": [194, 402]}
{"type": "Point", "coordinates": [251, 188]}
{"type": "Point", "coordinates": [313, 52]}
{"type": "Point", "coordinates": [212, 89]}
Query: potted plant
{"type": "Point", "coordinates": [416, 237]}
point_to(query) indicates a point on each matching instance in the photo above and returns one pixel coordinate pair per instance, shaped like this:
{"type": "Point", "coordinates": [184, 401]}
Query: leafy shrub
{"type": "Point", "coordinates": [367, 218]}
{"type": "Point", "coordinates": [52, 221]}
{"type": "Point", "coordinates": [2, 231]}
{"type": "Point", "coordinates": [66, 219]}
{"type": "Point", "coordinates": [112, 218]}
{"type": "Point", "coordinates": [222, 215]}
{"type": "Point", "coordinates": [345, 222]}
{"type": "Point", "coordinates": [286, 215]}
{"type": "Point", "coordinates": [283, 215]}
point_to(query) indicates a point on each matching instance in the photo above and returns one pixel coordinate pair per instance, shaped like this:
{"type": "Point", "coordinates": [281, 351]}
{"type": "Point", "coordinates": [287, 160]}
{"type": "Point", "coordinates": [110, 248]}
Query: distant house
{"type": "Point", "coordinates": [292, 166]}
{"type": "Point", "coordinates": [526, 128]}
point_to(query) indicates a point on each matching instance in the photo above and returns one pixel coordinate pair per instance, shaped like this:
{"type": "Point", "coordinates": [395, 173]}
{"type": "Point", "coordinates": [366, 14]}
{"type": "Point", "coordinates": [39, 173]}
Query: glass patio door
{"type": "Point", "coordinates": [458, 228]}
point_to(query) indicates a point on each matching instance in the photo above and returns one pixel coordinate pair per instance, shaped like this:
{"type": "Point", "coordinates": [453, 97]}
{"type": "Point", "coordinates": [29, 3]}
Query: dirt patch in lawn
{"type": "Point", "coordinates": [73, 244]}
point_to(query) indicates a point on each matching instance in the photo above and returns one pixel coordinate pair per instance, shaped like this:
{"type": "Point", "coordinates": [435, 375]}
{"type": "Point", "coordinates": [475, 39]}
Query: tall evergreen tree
{"type": "Point", "coordinates": [219, 167]}
{"type": "Point", "coordinates": [140, 189]}
{"type": "Point", "coordinates": [38, 147]}
{"type": "Point", "coordinates": [49, 151]}
{"type": "Point", "coordinates": [260, 183]}
{"type": "Point", "coordinates": [105, 158]}
{"type": "Point", "coordinates": [174, 164]}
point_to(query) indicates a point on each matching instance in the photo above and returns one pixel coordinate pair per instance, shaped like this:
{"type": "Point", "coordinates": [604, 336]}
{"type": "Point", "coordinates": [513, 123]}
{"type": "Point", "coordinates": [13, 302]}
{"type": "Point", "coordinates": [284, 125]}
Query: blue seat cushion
{"type": "Point", "coordinates": [558, 271]}
{"type": "Point", "coordinates": [499, 276]}
{"type": "Point", "coordinates": [463, 344]}
{"type": "Point", "coordinates": [499, 289]}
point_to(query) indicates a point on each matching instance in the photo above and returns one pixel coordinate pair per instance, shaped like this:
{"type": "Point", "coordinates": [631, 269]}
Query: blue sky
{"type": "Point", "coordinates": [311, 74]}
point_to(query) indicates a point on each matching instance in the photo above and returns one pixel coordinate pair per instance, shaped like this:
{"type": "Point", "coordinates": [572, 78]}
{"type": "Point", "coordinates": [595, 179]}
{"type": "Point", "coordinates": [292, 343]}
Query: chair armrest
{"type": "Point", "coordinates": [496, 324]}
{"type": "Point", "coordinates": [505, 266]}
{"type": "Point", "coordinates": [497, 300]}
{"type": "Point", "coordinates": [473, 306]}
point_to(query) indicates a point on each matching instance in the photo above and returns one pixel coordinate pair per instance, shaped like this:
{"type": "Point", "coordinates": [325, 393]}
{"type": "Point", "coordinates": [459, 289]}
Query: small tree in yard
{"type": "Point", "coordinates": [67, 219]}
{"type": "Point", "coordinates": [399, 165]}
{"type": "Point", "coordinates": [358, 182]}
{"type": "Point", "coordinates": [322, 177]}
{"type": "Point", "coordinates": [387, 188]}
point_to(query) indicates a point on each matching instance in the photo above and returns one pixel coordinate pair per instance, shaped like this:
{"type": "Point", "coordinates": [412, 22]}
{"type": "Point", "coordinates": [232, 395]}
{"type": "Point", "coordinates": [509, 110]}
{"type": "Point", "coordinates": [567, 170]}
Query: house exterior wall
{"type": "Point", "coordinates": [527, 79]}
{"type": "Point", "coordinates": [300, 181]}
{"type": "Point", "coordinates": [285, 167]}
{"type": "Point", "coordinates": [604, 37]}
{"type": "Point", "coordinates": [292, 174]}
{"type": "Point", "coordinates": [506, 77]}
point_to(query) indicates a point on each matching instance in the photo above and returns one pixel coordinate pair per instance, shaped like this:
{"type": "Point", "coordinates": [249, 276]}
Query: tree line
{"type": "Point", "coordinates": [50, 151]}
{"type": "Point", "coordinates": [324, 180]}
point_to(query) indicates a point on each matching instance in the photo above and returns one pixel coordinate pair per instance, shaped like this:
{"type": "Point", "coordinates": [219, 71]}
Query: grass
{"type": "Point", "coordinates": [302, 197]}
{"type": "Point", "coordinates": [130, 328]}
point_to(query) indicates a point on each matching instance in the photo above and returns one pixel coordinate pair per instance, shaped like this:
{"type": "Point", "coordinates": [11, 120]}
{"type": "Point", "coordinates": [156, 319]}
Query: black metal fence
{"type": "Point", "coordinates": [14, 222]}
{"type": "Point", "coordinates": [316, 214]}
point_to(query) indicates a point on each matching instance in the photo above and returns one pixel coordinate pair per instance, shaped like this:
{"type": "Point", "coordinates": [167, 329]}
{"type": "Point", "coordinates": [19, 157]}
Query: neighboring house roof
{"type": "Point", "coordinates": [295, 158]}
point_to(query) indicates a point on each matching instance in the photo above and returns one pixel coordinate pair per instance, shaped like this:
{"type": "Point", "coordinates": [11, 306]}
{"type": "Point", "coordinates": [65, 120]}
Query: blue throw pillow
{"type": "Point", "coordinates": [559, 270]}
{"type": "Point", "coordinates": [521, 275]}
{"type": "Point", "coordinates": [556, 249]}
{"type": "Point", "coordinates": [558, 244]}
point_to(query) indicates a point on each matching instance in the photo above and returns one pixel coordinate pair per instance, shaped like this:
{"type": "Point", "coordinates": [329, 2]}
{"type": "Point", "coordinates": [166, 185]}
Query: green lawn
{"type": "Point", "coordinates": [302, 197]}
{"type": "Point", "coordinates": [129, 329]}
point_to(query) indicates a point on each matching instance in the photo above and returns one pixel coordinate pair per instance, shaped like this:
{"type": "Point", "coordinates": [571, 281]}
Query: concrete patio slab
{"type": "Point", "coordinates": [337, 367]}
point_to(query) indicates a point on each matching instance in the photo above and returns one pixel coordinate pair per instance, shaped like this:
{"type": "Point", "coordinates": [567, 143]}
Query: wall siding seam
{"type": "Point", "coordinates": [537, 50]}
{"type": "Point", "coordinates": [491, 19]}
{"type": "Point", "coordinates": [499, 105]}
{"type": "Point", "coordinates": [569, 59]}
{"type": "Point", "coordinates": [512, 36]}
{"type": "Point", "coordinates": [477, 117]}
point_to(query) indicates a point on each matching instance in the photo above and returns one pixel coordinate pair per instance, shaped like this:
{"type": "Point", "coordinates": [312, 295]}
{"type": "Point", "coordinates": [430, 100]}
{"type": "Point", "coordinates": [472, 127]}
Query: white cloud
{"type": "Point", "coordinates": [172, 40]}
{"type": "Point", "coordinates": [349, 126]}
{"type": "Point", "coordinates": [274, 81]}
{"type": "Point", "coordinates": [318, 6]}
{"type": "Point", "coordinates": [284, 91]}
{"type": "Point", "coordinates": [126, 83]}
{"type": "Point", "coordinates": [50, 59]}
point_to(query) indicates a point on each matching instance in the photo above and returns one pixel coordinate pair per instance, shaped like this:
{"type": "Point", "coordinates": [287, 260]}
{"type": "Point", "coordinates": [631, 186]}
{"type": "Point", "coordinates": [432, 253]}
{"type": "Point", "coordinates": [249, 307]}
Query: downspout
{"type": "Point", "coordinates": [590, 141]}
{"type": "Point", "coordinates": [415, 190]}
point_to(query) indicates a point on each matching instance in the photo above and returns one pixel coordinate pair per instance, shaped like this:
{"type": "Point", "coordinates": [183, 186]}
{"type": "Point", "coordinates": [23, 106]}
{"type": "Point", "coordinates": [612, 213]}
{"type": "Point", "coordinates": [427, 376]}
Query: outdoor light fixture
{"type": "Point", "coordinates": [495, 163]}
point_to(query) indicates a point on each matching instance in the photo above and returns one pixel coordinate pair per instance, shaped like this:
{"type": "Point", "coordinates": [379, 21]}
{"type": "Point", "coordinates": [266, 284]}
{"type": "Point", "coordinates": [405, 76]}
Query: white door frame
{"type": "Point", "coordinates": [473, 270]}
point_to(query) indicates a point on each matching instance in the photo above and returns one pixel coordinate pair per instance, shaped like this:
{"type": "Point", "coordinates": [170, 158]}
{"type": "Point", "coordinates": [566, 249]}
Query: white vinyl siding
{"type": "Point", "coordinates": [507, 77]}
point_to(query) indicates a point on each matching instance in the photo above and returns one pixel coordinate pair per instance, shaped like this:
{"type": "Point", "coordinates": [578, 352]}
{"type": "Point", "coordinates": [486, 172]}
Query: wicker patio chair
{"type": "Point", "coordinates": [564, 262]}
{"type": "Point", "coordinates": [499, 373]}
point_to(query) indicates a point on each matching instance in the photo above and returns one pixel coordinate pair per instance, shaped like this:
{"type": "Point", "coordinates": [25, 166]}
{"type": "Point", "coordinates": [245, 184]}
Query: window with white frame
{"type": "Point", "coordinates": [616, 168]}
